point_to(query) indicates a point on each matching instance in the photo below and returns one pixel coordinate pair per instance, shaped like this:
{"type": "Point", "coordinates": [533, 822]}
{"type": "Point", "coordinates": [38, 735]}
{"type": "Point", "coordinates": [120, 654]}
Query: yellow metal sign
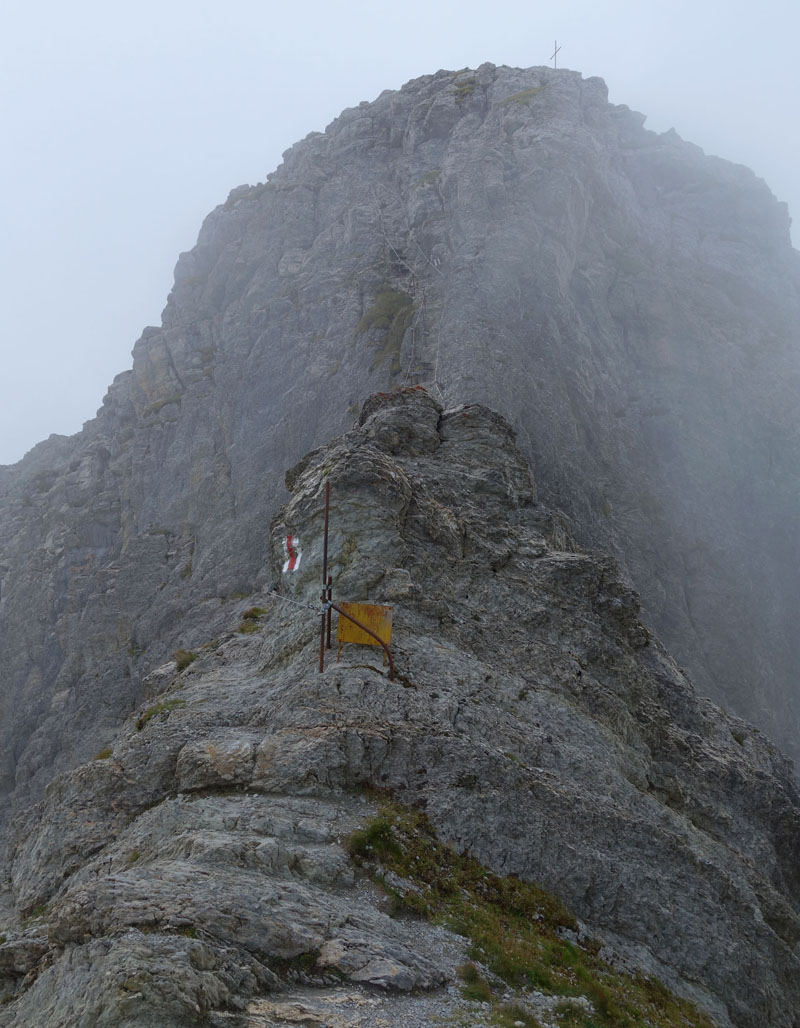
{"type": "Point", "coordinates": [376, 618]}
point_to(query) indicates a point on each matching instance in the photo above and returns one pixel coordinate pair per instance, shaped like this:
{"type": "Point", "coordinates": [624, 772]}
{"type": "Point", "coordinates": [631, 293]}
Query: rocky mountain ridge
{"type": "Point", "coordinates": [630, 306]}
{"type": "Point", "coordinates": [507, 236]}
{"type": "Point", "coordinates": [533, 717]}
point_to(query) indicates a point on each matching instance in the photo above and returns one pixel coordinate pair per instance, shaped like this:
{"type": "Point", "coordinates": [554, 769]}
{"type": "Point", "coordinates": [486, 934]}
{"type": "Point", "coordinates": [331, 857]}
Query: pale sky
{"type": "Point", "coordinates": [124, 124]}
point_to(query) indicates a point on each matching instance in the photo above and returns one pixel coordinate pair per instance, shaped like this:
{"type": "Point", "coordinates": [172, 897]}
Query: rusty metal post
{"type": "Point", "coordinates": [330, 596]}
{"type": "Point", "coordinates": [369, 631]}
{"type": "Point", "coordinates": [322, 639]}
{"type": "Point", "coordinates": [324, 595]}
{"type": "Point", "coordinates": [325, 536]}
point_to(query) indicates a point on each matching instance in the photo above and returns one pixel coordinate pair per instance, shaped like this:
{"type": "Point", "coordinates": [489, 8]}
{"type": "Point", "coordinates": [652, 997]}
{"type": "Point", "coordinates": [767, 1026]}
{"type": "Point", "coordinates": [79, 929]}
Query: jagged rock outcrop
{"type": "Point", "coordinates": [176, 879]}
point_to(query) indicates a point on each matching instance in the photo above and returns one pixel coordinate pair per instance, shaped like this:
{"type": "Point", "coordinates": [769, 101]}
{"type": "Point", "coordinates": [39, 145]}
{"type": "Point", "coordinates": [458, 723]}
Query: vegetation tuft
{"type": "Point", "coordinates": [391, 314]}
{"type": "Point", "coordinates": [253, 613]}
{"type": "Point", "coordinates": [464, 89]}
{"type": "Point", "coordinates": [33, 913]}
{"type": "Point", "coordinates": [515, 931]}
{"type": "Point", "coordinates": [475, 986]}
{"type": "Point", "coordinates": [163, 707]}
{"type": "Point", "coordinates": [104, 754]}
{"type": "Point", "coordinates": [183, 658]}
{"type": "Point", "coordinates": [521, 98]}
{"type": "Point", "coordinates": [250, 620]}
{"type": "Point", "coordinates": [570, 1013]}
{"type": "Point", "coordinates": [298, 967]}
{"type": "Point", "coordinates": [509, 1015]}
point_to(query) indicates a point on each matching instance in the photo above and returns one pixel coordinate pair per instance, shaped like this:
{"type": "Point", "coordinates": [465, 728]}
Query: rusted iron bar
{"type": "Point", "coordinates": [325, 583]}
{"type": "Point", "coordinates": [330, 595]}
{"type": "Point", "coordinates": [369, 632]}
{"type": "Point", "coordinates": [322, 637]}
{"type": "Point", "coordinates": [325, 536]}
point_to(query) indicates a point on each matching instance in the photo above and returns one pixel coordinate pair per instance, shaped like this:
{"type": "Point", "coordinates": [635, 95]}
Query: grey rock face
{"type": "Point", "coordinates": [507, 236]}
{"type": "Point", "coordinates": [195, 874]}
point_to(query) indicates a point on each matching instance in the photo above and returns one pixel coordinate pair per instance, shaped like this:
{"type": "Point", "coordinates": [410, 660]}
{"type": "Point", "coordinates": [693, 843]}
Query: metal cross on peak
{"type": "Point", "coordinates": [554, 54]}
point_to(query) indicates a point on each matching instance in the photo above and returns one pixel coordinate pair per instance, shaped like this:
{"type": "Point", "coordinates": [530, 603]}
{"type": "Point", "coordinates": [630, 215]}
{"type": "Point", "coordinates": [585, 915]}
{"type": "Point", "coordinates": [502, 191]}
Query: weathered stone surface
{"type": "Point", "coordinates": [197, 875]}
{"type": "Point", "coordinates": [215, 762]}
{"type": "Point", "coordinates": [361, 960]}
{"type": "Point", "coordinates": [630, 305]}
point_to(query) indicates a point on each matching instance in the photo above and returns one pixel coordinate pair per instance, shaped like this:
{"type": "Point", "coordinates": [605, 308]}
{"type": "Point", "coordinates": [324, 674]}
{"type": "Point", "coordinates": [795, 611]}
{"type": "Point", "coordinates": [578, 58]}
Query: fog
{"type": "Point", "coordinates": [123, 126]}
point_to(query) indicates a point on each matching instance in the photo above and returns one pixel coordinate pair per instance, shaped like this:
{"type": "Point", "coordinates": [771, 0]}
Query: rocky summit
{"type": "Point", "coordinates": [200, 870]}
{"type": "Point", "coordinates": [182, 794]}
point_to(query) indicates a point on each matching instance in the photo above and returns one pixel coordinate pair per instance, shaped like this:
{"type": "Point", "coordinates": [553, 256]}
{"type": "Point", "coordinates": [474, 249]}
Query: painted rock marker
{"type": "Point", "coordinates": [291, 547]}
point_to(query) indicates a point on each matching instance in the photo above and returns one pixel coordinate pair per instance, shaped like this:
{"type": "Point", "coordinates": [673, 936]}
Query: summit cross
{"type": "Point", "coordinates": [554, 55]}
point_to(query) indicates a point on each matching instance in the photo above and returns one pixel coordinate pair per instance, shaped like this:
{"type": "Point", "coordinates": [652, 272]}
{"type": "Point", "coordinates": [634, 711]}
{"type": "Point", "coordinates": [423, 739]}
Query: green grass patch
{"type": "Point", "coordinates": [510, 1014]}
{"type": "Point", "coordinates": [104, 754]}
{"type": "Point", "coordinates": [570, 1014]}
{"type": "Point", "coordinates": [183, 658]}
{"type": "Point", "coordinates": [521, 98]}
{"type": "Point", "coordinates": [250, 618]}
{"type": "Point", "coordinates": [375, 841]}
{"type": "Point", "coordinates": [253, 613]}
{"type": "Point", "coordinates": [514, 930]}
{"type": "Point", "coordinates": [33, 914]}
{"type": "Point", "coordinates": [159, 708]}
{"type": "Point", "coordinates": [475, 986]}
{"type": "Point", "coordinates": [464, 89]}
{"type": "Point", "coordinates": [391, 314]}
{"type": "Point", "coordinates": [301, 966]}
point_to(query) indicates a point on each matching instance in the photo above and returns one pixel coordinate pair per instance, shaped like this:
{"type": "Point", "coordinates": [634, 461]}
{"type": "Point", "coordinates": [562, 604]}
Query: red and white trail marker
{"type": "Point", "coordinates": [291, 547]}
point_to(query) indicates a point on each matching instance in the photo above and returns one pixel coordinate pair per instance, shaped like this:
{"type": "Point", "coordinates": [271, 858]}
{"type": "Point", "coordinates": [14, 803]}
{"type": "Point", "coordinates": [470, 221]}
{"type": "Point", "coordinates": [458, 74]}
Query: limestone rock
{"type": "Point", "coordinates": [198, 875]}
{"type": "Point", "coordinates": [630, 308]}
{"type": "Point", "coordinates": [504, 235]}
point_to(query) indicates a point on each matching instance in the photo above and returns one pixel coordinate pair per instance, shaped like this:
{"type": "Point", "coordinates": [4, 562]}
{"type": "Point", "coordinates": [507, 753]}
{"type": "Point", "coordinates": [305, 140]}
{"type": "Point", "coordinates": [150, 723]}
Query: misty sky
{"type": "Point", "coordinates": [124, 124]}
